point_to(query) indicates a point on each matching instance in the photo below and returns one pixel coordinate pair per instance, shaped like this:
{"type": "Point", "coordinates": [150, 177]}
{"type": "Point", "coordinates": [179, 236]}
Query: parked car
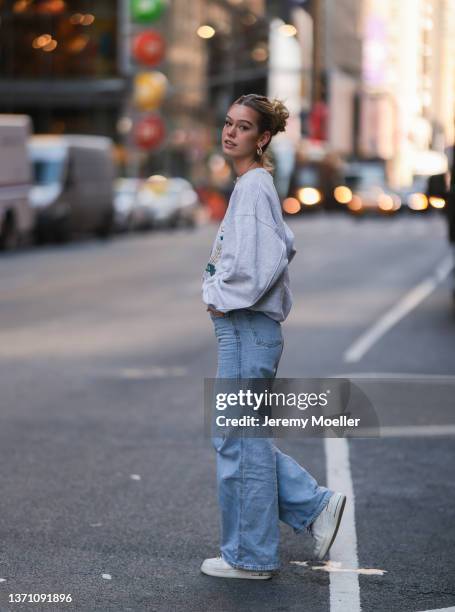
{"type": "Point", "coordinates": [145, 215]}
{"type": "Point", "coordinates": [369, 191]}
{"type": "Point", "coordinates": [125, 201]}
{"type": "Point", "coordinates": [165, 202]}
{"type": "Point", "coordinates": [16, 214]}
{"type": "Point", "coordinates": [187, 201]}
{"type": "Point", "coordinates": [73, 186]}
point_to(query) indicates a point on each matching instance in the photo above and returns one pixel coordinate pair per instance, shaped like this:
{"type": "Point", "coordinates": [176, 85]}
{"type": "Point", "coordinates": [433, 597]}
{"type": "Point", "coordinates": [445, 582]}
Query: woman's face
{"type": "Point", "coordinates": [240, 137]}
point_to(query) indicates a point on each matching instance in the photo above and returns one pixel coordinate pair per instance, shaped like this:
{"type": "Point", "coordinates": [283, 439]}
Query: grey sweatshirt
{"type": "Point", "coordinates": [248, 265]}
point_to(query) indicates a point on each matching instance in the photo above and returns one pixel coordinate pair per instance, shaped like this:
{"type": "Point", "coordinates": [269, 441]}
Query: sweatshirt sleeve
{"type": "Point", "coordinates": [290, 240]}
{"type": "Point", "coordinates": [253, 258]}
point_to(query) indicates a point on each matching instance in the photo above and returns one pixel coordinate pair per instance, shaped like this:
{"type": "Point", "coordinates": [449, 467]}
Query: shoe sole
{"type": "Point", "coordinates": [233, 574]}
{"type": "Point", "coordinates": [339, 509]}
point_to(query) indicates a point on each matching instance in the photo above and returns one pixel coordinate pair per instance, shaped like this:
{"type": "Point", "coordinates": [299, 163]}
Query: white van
{"type": "Point", "coordinates": [16, 215]}
{"type": "Point", "coordinates": [73, 189]}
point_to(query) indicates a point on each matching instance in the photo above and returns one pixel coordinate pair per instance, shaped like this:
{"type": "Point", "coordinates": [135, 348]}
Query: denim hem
{"type": "Point", "coordinates": [251, 567]}
{"type": "Point", "coordinates": [322, 505]}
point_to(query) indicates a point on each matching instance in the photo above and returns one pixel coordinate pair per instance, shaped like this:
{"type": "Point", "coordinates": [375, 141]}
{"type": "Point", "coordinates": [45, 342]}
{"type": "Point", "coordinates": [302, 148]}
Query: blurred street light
{"type": "Point", "coordinates": [21, 5]}
{"type": "Point", "coordinates": [205, 31]}
{"type": "Point", "coordinates": [87, 20]}
{"type": "Point", "coordinates": [51, 7]}
{"type": "Point", "coordinates": [124, 125]}
{"type": "Point", "coordinates": [260, 53]}
{"type": "Point", "coordinates": [77, 44]}
{"type": "Point", "coordinates": [51, 46]}
{"type": "Point", "coordinates": [41, 41]}
{"type": "Point", "coordinates": [80, 19]}
{"type": "Point", "coordinates": [287, 29]}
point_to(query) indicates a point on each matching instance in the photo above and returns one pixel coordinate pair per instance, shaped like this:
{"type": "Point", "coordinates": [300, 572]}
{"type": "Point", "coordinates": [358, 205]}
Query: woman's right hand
{"type": "Point", "coordinates": [216, 313]}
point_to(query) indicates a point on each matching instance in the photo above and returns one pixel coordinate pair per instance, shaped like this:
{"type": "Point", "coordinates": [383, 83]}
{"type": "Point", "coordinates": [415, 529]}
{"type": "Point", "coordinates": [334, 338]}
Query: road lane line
{"type": "Point", "coordinates": [335, 566]}
{"type": "Point", "coordinates": [409, 431]}
{"type": "Point", "coordinates": [449, 378]}
{"type": "Point", "coordinates": [452, 609]}
{"type": "Point", "coordinates": [344, 587]}
{"type": "Point", "coordinates": [412, 299]}
{"type": "Point", "coordinates": [152, 372]}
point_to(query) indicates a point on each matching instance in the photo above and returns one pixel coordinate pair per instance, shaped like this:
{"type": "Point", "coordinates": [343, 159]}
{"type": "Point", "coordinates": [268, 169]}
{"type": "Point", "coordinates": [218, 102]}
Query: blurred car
{"type": "Point", "coordinates": [165, 202]}
{"type": "Point", "coordinates": [16, 214]}
{"type": "Point", "coordinates": [313, 187]}
{"type": "Point", "coordinates": [414, 196]}
{"type": "Point", "coordinates": [125, 201]}
{"type": "Point", "coordinates": [305, 187]}
{"type": "Point", "coordinates": [369, 192]}
{"type": "Point", "coordinates": [187, 202]}
{"type": "Point", "coordinates": [73, 186]}
{"type": "Point", "coordinates": [426, 193]}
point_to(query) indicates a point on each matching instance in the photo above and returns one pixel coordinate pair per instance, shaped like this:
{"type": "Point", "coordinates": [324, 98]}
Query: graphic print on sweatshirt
{"type": "Point", "coordinates": [216, 252]}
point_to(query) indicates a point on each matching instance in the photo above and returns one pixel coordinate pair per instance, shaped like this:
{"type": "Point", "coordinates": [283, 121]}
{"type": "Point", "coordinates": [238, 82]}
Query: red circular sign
{"type": "Point", "coordinates": [149, 132]}
{"type": "Point", "coordinates": [149, 48]}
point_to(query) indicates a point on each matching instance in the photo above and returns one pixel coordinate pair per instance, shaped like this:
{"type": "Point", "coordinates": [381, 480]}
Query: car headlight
{"type": "Point", "coordinates": [385, 202]}
{"type": "Point", "coordinates": [418, 201]}
{"type": "Point", "coordinates": [437, 202]}
{"type": "Point", "coordinates": [291, 206]}
{"type": "Point", "coordinates": [342, 194]}
{"type": "Point", "coordinates": [355, 205]}
{"type": "Point", "coordinates": [309, 196]}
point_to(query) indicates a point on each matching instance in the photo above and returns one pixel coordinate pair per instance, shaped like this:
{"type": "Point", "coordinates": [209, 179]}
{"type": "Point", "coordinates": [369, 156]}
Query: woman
{"type": "Point", "coordinates": [246, 289]}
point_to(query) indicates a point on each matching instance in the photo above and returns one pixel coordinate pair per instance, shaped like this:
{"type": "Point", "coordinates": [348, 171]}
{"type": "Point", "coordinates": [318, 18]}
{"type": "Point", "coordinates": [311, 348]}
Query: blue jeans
{"type": "Point", "coordinates": [257, 483]}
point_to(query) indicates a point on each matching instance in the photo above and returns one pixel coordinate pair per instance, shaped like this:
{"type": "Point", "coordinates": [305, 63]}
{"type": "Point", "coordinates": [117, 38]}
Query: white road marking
{"type": "Point", "coordinates": [335, 566]}
{"type": "Point", "coordinates": [106, 576]}
{"type": "Point", "coordinates": [398, 375]}
{"type": "Point", "coordinates": [344, 587]}
{"type": "Point", "coordinates": [412, 299]}
{"type": "Point", "coordinates": [303, 563]}
{"type": "Point", "coordinates": [153, 372]}
{"type": "Point", "coordinates": [452, 609]}
{"type": "Point", "coordinates": [409, 431]}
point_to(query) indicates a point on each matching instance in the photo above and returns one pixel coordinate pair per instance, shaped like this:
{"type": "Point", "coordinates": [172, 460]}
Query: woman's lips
{"type": "Point", "coordinates": [228, 143]}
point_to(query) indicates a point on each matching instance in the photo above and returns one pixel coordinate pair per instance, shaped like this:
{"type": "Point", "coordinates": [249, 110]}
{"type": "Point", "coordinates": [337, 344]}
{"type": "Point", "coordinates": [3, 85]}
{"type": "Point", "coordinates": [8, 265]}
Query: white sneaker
{"type": "Point", "coordinates": [324, 529]}
{"type": "Point", "coordinates": [218, 567]}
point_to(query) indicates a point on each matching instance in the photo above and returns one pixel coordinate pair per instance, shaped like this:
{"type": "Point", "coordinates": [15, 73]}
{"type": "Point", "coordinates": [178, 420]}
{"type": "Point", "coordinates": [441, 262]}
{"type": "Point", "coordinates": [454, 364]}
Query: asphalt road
{"type": "Point", "coordinates": [107, 481]}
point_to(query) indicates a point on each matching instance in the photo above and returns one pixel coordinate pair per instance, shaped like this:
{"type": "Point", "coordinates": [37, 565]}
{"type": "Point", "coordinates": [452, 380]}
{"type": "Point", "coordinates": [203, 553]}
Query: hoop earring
{"type": "Point", "coordinates": [259, 151]}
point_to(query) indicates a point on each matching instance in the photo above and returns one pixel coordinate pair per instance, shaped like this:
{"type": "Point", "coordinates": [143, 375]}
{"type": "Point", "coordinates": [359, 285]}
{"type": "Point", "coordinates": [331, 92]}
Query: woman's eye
{"type": "Point", "coordinates": [241, 127]}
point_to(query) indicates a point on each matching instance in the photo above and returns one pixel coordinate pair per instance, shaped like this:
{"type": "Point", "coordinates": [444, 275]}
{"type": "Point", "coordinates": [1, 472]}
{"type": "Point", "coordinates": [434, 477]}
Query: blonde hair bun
{"type": "Point", "coordinates": [281, 116]}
